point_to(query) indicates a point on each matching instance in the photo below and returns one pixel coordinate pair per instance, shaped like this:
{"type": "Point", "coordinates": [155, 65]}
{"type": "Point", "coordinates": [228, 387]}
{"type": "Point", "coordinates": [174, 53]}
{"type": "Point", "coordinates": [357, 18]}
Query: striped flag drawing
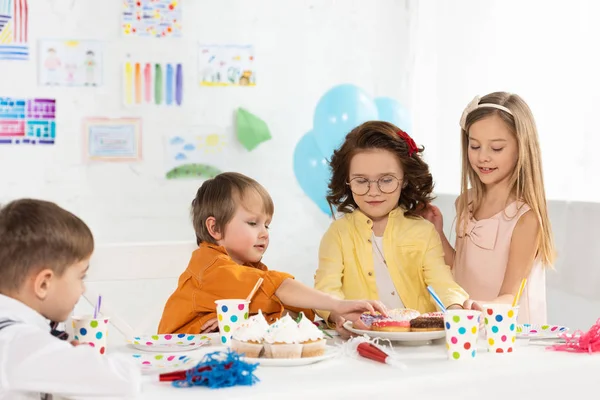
{"type": "Point", "coordinates": [13, 30]}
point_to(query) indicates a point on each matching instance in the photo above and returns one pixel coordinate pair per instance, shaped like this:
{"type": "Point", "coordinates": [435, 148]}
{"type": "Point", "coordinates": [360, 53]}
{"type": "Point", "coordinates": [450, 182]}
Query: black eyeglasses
{"type": "Point", "coordinates": [387, 184]}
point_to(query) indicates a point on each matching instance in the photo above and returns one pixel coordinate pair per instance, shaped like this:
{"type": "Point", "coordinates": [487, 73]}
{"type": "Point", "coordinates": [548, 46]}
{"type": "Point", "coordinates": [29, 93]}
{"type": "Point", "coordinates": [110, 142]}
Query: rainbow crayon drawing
{"type": "Point", "coordinates": [146, 83]}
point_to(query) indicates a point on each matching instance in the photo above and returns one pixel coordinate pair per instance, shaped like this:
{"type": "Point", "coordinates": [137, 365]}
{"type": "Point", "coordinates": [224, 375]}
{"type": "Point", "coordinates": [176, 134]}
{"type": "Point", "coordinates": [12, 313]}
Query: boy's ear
{"type": "Point", "coordinates": [213, 230]}
{"type": "Point", "coordinates": [41, 283]}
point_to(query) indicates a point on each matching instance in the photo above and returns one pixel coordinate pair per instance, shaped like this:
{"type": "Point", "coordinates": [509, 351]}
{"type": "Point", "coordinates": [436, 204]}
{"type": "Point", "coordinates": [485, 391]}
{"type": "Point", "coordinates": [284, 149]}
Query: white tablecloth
{"type": "Point", "coordinates": [530, 372]}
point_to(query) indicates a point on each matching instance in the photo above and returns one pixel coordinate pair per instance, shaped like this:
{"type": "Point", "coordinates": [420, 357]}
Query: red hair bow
{"type": "Point", "coordinates": [410, 143]}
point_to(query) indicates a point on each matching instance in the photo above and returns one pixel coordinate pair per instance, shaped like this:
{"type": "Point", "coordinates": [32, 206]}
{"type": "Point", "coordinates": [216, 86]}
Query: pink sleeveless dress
{"type": "Point", "coordinates": [482, 257]}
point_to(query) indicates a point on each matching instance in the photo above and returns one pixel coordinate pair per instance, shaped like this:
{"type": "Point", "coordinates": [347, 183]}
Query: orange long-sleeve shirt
{"type": "Point", "coordinates": [212, 275]}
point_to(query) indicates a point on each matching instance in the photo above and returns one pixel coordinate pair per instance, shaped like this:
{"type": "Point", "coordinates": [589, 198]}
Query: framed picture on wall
{"type": "Point", "coordinates": [226, 65]}
{"type": "Point", "coordinates": [70, 63]}
{"type": "Point", "coordinates": [112, 140]}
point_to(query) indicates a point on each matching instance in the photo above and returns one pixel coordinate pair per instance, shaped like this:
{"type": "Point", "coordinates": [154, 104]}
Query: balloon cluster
{"type": "Point", "coordinates": [340, 110]}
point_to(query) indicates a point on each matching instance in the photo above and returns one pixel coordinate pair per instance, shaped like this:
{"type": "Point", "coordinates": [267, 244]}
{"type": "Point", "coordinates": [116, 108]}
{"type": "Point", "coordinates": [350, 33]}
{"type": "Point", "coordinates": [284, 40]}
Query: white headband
{"type": "Point", "coordinates": [474, 105]}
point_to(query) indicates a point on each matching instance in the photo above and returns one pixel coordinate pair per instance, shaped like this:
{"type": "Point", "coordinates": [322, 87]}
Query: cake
{"type": "Point", "coordinates": [312, 338]}
{"type": "Point", "coordinates": [390, 325]}
{"type": "Point", "coordinates": [248, 338]}
{"type": "Point", "coordinates": [282, 340]}
{"type": "Point", "coordinates": [368, 318]}
{"type": "Point", "coordinates": [433, 321]}
{"type": "Point", "coordinates": [398, 320]}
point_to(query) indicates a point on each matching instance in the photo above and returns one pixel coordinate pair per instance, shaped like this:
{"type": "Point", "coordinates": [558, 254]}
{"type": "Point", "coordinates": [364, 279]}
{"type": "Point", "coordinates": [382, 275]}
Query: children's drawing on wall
{"type": "Point", "coordinates": [227, 65]}
{"type": "Point", "coordinates": [118, 139]}
{"type": "Point", "coordinates": [152, 18]}
{"type": "Point", "coordinates": [13, 30]}
{"type": "Point", "coordinates": [27, 121]}
{"type": "Point", "coordinates": [148, 83]}
{"type": "Point", "coordinates": [200, 153]}
{"type": "Point", "coordinates": [70, 63]}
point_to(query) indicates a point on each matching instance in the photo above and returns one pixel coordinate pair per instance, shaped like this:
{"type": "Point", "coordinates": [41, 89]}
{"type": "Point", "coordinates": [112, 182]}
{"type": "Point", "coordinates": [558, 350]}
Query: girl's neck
{"type": "Point", "coordinates": [499, 192]}
{"type": "Point", "coordinates": [379, 225]}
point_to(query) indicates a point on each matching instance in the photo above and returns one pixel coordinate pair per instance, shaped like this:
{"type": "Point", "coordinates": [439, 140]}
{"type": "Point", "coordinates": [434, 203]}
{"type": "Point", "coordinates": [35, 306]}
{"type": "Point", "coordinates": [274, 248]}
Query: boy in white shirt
{"type": "Point", "coordinates": [44, 255]}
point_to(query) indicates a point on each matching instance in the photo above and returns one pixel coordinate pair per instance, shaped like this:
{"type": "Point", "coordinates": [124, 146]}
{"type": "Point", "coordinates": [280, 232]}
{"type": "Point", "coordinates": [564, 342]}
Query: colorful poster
{"type": "Point", "coordinates": [70, 63]}
{"type": "Point", "coordinates": [228, 65]}
{"type": "Point", "coordinates": [118, 139]}
{"type": "Point", "coordinates": [27, 121]}
{"type": "Point", "coordinates": [147, 83]}
{"type": "Point", "coordinates": [201, 153]}
{"type": "Point", "coordinates": [13, 30]}
{"type": "Point", "coordinates": [152, 18]}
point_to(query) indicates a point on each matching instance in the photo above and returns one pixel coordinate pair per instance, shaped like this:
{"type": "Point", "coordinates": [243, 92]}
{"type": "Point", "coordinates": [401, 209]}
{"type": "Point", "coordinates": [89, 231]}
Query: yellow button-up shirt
{"type": "Point", "coordinates": [413, 252]}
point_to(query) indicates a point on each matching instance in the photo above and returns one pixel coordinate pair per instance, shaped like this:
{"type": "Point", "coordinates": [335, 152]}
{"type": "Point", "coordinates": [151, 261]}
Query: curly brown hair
{"type": "Point", "coordinates": [380, 135]}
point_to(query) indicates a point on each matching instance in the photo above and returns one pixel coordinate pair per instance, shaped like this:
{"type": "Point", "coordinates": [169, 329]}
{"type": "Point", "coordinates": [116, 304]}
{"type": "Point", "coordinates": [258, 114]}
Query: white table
{"type": "Point", "coordinates": [530, 372]}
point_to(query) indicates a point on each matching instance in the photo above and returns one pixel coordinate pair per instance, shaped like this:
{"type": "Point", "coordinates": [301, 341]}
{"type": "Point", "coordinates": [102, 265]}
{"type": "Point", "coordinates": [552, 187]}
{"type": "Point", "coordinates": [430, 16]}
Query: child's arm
{"type": "Point", "coordinates": [433, 214]}
{"type": "Point", "coordinates": [297, 294]}
{"type": "Point", "coordinates": [235, 281]}
{"type": "Point", "coordinates": [439, 276]}
{"type": "Point", "coordinates": [39, 362]}
{"type": "Point", "coordinates": [521, 257]}
{"type": "Point", "coordinates": [328, 277]}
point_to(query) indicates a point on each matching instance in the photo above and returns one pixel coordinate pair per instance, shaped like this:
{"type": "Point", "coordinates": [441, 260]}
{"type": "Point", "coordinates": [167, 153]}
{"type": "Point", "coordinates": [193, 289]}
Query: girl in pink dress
{"type": "Point", "coordinates": [503, 232]}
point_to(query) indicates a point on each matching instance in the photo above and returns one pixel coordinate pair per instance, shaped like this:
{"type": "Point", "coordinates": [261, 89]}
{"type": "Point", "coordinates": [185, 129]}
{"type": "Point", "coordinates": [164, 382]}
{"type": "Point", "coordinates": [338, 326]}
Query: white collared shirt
{"type": "Point", "coordinates": [388, 294]}
{"type": "Point", "coordinates": [32, 362]}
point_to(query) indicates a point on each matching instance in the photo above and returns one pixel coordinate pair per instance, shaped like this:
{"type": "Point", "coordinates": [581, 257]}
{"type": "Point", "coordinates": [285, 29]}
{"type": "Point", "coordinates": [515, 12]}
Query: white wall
{"type": "Point", "coordinates": [433, 56]}
{"type": "Point", "coordinates": [541, 50]}
{"type": "Point", "coordinates": [303, 48]}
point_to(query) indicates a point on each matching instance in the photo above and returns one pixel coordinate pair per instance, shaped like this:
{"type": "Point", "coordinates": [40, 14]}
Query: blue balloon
{"type": "Point", "coordinates": [340, 110]}
{"type": "Point", "coordinates": [312, 171]}
{"type": "Point", "coordinates": [393, 112]}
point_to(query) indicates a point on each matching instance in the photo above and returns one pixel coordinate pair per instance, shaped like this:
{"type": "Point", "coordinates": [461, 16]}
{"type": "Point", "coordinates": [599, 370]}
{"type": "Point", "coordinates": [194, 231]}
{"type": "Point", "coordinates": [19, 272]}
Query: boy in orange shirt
{"type": "Point", "coordinates": [231, 215]}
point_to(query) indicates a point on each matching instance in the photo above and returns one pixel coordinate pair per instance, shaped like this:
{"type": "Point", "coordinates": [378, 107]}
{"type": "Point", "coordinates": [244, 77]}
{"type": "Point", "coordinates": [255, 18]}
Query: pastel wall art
{"type": "Point", "coordinates": [226, 65]}
{"type": "Point", "coordinates": [70, 63]}
{"type": "Point", "coordinates": [151, 18]}
{"type": "Point", "coordinates": [108, 139]}
{"type": "Point", "coordinates": [14, 19]}
{"type": "Point", "coordinates": [27, 121]}
{"type": "Point", "coordinates": [149, 83]}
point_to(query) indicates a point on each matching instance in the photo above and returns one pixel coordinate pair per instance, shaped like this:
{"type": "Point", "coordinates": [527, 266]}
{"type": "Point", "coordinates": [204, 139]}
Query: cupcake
{"type": "Point", "coordinates": [248, 338]}
{"type": "Point", "coordinates": [282, 340]}
{"type": "Point", "coordinates": [312, 338]}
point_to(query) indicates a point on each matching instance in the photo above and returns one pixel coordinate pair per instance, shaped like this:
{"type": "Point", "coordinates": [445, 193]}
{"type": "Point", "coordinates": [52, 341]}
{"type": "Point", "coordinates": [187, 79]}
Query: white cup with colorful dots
{"type": "Point", "coordinates": [462, 331]}
{"type": "Point", "coordinates": [91, 331]}
{"type": "Point", "coordinates": [500, 327]}
{"type": "Point", "coordinates": [230, 314]}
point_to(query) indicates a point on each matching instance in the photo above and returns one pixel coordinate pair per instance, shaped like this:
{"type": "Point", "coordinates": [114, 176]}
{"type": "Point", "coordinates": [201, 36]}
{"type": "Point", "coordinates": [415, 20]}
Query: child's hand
{"type": "Point", "coordinates": [472, 305]}
{"type": "Point", "coordinates": [210, 326]}
{"type": "Point", "coordinates": [75, 343]}
{"type": "Point", "coordinates": [433, 214]}
{"type": "Point", "coordinates": [339, 326]}
{"type": "Point", "coordinates": [352, 309]}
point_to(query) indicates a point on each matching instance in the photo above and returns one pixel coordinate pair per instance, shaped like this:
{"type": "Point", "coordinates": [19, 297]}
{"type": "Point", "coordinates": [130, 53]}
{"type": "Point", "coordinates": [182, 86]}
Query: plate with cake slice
{"type": "Point", "coordinates": [402, 325]}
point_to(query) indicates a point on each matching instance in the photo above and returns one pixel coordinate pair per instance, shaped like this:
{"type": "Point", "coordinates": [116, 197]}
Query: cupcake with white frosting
{"type": "Point", "coordinates": [312, 338]}
{"type": "Point", "coordinates": [283, 339]}
{"type": "Point", "coordinates": [248, 338]}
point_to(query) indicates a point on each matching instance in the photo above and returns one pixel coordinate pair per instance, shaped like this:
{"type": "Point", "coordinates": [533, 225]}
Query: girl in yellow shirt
{"type": "Point", "coordinates": [381, 249]}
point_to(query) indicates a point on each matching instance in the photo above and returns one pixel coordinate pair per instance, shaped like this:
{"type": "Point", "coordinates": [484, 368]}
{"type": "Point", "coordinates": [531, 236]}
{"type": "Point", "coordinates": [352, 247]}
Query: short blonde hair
{"type": "Point", "coordinates": [36, 234]}
{"type": "Point", "coordinates": [219, 197]}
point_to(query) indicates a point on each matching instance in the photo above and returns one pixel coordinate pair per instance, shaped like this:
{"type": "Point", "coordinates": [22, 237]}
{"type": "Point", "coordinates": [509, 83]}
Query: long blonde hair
{"type": "Point", "coordinates": [526, 181]}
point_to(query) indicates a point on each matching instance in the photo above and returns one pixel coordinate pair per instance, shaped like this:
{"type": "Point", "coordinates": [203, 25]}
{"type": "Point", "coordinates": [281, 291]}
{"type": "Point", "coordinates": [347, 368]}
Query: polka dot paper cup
{"type": "Point", "coordinates": [91, 331]}
{"type": "Point", "coordinates": [462, 331]}
{"type": "Point", "coordinates": [500, 327]}
{"type": "Point", "coordinates": [230, 314]}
